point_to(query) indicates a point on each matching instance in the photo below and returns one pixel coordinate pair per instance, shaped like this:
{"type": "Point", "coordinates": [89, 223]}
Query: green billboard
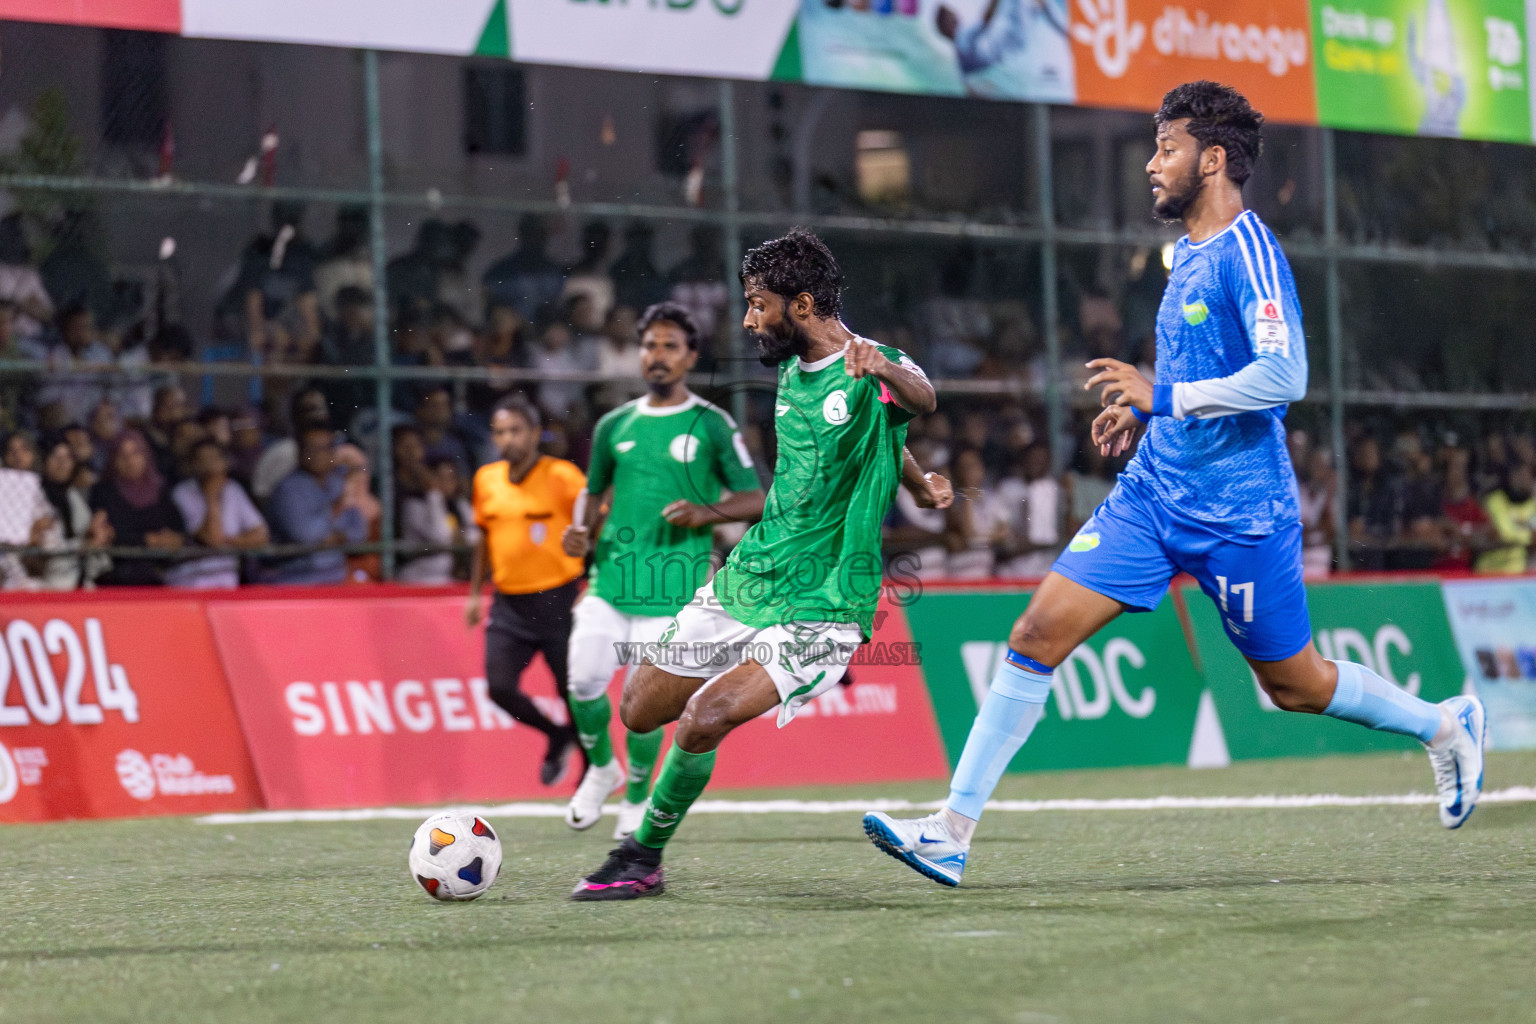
{"type": "Point", "coordinates": [1143, 691]}
{"type": "Point", "coordinates": [1423, 67]}
{"type": "Point", "coordinates": [1398, 630]}
{"type": "Point", "coordinates": [1126, 697]}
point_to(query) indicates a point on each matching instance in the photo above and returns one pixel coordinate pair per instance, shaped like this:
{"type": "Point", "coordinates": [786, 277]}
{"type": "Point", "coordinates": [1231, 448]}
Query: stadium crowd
{"type": "Point", "coordinates": [95, 460]}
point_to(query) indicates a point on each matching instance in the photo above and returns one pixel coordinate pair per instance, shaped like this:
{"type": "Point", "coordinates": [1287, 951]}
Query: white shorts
{"type": "Point", "coordinates": [804, 660]}
{"type": "Point", "coordinates": [599, 635]}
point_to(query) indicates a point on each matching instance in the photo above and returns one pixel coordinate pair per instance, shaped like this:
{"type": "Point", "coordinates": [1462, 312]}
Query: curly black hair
{"type": "Point", "coordinates": [670, 313]}
{"type": "Point", "coordinates": [1218, 115]}
{"type": "Point", "coordinates": [798, 262]}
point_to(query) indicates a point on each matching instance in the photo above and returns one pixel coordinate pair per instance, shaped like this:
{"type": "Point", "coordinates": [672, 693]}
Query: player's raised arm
{"type": "Point", "coordinates": [908, 384]}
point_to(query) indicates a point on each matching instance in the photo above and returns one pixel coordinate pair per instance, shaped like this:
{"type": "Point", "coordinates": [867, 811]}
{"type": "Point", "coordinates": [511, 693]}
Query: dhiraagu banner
{"type": "Point", "coordinates": [1424, 67]}
{"type": "Point", "coordinates": [1126, 697]}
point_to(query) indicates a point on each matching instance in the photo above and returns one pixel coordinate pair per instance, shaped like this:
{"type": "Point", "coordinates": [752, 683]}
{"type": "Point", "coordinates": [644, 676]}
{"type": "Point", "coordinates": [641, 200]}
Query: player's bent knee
{"type": "Point", "coordinates": [706, 720]}
{"type": "Point", "coordinates": [1034, 638]}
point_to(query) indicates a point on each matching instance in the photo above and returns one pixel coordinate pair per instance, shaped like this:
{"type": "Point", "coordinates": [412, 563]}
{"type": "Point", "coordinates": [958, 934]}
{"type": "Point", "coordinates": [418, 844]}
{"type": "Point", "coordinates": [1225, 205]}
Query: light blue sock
{"type": "Point", "coordinates": [1363, 697]}
{"type": "Point", "coordinates": [1014, 704]}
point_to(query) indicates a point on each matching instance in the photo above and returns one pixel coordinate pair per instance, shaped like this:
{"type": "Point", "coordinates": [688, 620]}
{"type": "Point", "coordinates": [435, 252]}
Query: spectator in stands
{"type": "Point", "coordinates": [345, 262]}
{"type": "Point", "coordinates": [26, 518]}
{"type": "Point", "coordinates": [499, 347]}
{"type": "Point", "coordinates": [75, 274]}
{"type": "Point", "coordinates": [74, 395]}
{"type": "Point", "coordinates": [461, 513]}
{"type": "Point", "coordinates": [246, 444]}
{"type": "Point", "coordinates": [362, 566]}
{"type": "Point", "coordinates": [977, 524]}
{"type": "Point", "coordinates": [1463, 520]}
{"type": "Point", "coordinates": [456, 289]}
{"type": "Point", "coordinates": [20, 283]}
{"type": "Point", "coordinates": [698, 282]}
{"type": "Point", "coordinates": [556, 352]}
{"type": "Point", "coordinates": [589, 278]}
{"type": "Point", "coordinates": [1511, 511]}
{"type": "Point", "coordinates": [275, 292]}
{"type": "Point", "coordinates": [106, 426]}
{"type": "Point", "coordinates": [441, 437]}
{"type": "Point", "coordinates": [307, 411]}
{"type": "Point", "coordinates": [349, 341]}
{"type": "Point", "coordinates": [412, 277]}
{"type": "Point", "coordinates": [526, 278]}
{"type": "Point", "coordinates": [1317, 486]}
{"type": "Point", "coordinates": [80, 444]}
{"type": "Point", "coordinates": [1032, 498]}
{"type": "Point", "coordinates": [424, 517]}
{"type": "Point", "coordinates": [1419, 505]}
{"type": "Point", "coordinates": [636, 281]}
{"type": "Point", "coordinates": [618, 357]}
{"type": "Point", "coordinates": [169, 411]}
{"type": "Point", "coordinates": [311, 506]}
{"type": "Point", "coordinates": [139, 511]}
{"type": "Point", "coordinates": [1371, 504]}
{"type": "Point", "coordinates": [218, 514]}
{"type": "Point", "coordinates": [20, 452]}
{"type": "Point", "coordinates": [75, 530]}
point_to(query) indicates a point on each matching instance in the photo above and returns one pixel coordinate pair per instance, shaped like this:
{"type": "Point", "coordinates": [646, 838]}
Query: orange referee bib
{"type": "Point", "coordinates": [523, 522]}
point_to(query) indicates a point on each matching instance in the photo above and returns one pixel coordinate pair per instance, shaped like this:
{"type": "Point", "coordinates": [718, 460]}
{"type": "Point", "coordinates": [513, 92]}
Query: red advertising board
{"type": "Point", "coordinates": [150, 15]}
{"type": "Point", "coordinates": [114, 709]}
{"type": "Point", "coordinates": [355, 703]}
{"type": "Point", "coordinates": [878, 728]}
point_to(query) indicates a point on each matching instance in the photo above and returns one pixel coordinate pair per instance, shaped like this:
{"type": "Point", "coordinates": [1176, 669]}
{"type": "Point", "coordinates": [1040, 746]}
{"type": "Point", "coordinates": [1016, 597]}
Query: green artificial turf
{"type": "Point", "coordinates": [1348, 914]}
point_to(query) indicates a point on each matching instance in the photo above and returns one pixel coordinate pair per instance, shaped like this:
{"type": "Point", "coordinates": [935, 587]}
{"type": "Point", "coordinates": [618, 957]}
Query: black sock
{"type": "Point", "coordinates": [637, 852]}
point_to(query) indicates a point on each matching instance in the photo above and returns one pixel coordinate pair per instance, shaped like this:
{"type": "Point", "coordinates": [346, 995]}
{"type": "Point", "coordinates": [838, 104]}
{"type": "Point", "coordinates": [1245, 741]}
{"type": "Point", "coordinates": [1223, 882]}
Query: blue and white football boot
{"type": "Point", "coordinates": [923, 844]}
{"type": "Point", "coordinates": [1458, 763]}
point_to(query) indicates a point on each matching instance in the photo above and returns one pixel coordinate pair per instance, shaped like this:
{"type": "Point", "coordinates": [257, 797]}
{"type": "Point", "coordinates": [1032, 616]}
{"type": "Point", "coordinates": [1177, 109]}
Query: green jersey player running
{"type": "Point", "coordinates": [779, 623]}
{"type": "Point", "coordinates": [655, 488]}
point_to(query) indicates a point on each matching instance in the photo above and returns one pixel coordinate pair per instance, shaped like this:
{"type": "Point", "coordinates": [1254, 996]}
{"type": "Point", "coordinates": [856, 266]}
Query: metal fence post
{"type": "Point", "coordinates": [735, 307]}
{"type": "Point", "coordinates": [1335, 351]}
{"type": "Point", "coordinates": [384, 460]}
{"type": "Point", "coordinates": [1050, 315]}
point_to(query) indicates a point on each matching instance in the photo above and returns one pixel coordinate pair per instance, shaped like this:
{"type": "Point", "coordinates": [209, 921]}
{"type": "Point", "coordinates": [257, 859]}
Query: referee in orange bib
{"type": "Point", "coordinates": [523, 504]}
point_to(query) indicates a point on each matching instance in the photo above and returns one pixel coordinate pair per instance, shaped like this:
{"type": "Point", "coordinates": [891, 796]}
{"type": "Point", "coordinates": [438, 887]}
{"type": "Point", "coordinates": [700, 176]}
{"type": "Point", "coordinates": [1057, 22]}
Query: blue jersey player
{"type": "Point", "coordinates": [1209, 492]}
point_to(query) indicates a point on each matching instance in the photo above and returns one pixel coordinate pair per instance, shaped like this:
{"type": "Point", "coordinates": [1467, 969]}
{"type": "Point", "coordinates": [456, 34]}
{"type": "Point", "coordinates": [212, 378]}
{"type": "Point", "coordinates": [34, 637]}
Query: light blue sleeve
{"type": "Point", "coordinates": [1264, 292]}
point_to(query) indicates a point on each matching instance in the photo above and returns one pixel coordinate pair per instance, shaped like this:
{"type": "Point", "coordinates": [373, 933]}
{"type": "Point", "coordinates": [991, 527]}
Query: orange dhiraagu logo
{"type": "Point", "coordinates": [1129, 52]}
{"type": "Point", "coordinates": [440, 839]}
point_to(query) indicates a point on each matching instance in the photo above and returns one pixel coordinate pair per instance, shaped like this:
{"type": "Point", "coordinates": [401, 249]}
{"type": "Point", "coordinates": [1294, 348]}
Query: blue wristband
{"type": "Point", "coordinates": [1145, 417]}
{"type": "Point", "coordinates": [1162, 399]}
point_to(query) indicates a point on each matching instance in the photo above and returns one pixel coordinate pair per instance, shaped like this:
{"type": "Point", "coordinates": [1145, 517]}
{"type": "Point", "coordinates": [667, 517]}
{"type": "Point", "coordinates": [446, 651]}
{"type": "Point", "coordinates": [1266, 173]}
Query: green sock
{"type": "Point", "coordinates": [644, 748]}
{"type": "Point", "coordinates": [591, 718]}
{"type": "Point", "coordinates": [683, 777]}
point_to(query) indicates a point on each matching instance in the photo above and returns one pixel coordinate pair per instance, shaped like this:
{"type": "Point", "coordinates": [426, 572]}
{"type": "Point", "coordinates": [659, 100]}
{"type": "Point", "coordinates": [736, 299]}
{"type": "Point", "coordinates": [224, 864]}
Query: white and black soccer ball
{"type": "Point", "coordinates": [455, 855]}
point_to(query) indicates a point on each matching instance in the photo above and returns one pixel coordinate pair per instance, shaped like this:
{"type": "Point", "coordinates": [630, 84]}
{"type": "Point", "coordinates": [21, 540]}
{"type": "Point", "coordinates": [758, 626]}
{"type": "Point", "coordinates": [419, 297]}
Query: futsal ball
{"type": "Point", "coordinates": [455, 855]}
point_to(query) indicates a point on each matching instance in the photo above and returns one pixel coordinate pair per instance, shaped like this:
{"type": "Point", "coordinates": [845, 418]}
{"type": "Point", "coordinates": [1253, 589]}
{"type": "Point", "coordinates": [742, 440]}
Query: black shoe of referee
{"type": "Point", "coordinates": [557, 757]}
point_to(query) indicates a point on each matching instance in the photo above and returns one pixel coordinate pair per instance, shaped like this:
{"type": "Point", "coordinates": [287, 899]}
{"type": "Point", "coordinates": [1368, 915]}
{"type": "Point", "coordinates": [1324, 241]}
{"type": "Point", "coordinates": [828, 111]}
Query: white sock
{"type": "Point", "coordinates": [1446, 731]}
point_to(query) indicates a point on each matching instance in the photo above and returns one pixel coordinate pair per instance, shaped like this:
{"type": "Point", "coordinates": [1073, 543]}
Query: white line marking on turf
{"type": "Point", "coordinates": [1512, 795]}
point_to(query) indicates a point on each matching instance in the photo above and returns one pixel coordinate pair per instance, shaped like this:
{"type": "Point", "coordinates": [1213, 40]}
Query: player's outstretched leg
{"type": "Point", "coordinates": [643, 748]}
{"type": "Point", "coordinates": [936, 846]}
{"type": "Point", "coordinates": [1061, 615]}
{"type": "Point", "coordinates": [1453, 731]}
{"type": "Point", "coordinates": [633, 868]}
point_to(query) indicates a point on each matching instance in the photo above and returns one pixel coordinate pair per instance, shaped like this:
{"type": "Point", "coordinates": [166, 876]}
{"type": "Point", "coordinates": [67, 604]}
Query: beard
{"type": "Point", "coordinates": [1171, 206]}
{"type": "Point", "coordinates": [780, 343]}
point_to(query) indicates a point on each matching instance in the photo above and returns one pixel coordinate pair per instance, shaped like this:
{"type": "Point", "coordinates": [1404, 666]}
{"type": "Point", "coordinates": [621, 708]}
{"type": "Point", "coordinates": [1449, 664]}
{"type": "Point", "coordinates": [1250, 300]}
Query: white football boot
{"type": "Point", "coordinates": [923, 844]}
{"type": "Point", "coordinates": [586, 805]}
{"type": "Point", "coordinates": [630, 817]}
{"type": "Point", "coordinates": [1458, 763]}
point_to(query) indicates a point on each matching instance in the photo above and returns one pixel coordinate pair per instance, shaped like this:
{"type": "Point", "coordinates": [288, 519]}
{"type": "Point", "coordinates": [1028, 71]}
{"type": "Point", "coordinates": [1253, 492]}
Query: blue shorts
{"type": "Point", "coordinates": [1132, 546]}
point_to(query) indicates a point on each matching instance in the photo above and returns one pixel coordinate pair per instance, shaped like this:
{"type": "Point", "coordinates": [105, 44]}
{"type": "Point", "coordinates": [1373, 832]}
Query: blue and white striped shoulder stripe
{"type": "Point", "coordinates": [1261, 258]}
